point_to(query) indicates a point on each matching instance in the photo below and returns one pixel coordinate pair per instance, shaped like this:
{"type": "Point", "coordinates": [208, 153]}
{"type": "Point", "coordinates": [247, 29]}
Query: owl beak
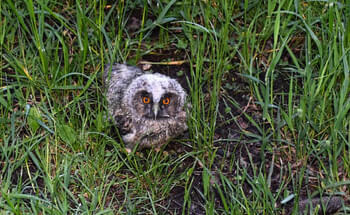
{"type": "Point", "coordinates": [155, 110]}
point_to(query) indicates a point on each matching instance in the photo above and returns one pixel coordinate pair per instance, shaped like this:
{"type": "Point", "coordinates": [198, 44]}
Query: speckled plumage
{"type": "Point", "coordinates": [150, 124]}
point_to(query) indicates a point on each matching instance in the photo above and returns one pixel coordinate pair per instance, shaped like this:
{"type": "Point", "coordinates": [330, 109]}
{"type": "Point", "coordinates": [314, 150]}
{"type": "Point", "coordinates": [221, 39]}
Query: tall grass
{"type": "Point", "coordinates": [59, 154]}
{"type": "Point", "coordinates": [313, 109]}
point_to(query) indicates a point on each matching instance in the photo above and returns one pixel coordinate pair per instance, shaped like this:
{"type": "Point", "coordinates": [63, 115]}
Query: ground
{"type": "Point", "coordinates": [269, 118]}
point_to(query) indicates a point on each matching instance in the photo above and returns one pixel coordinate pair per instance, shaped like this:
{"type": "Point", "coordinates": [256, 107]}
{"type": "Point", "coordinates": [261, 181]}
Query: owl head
{"type": "Point", "coordinates": [154, 97]}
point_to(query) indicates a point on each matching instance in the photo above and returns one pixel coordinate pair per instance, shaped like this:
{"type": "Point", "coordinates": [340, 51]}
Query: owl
{"type": "Point", "coordinates": [149, 109]}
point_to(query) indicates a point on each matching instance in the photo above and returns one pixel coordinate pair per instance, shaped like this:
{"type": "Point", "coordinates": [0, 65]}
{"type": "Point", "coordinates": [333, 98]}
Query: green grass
{"type": "Point", "coordinates": [290, 59]}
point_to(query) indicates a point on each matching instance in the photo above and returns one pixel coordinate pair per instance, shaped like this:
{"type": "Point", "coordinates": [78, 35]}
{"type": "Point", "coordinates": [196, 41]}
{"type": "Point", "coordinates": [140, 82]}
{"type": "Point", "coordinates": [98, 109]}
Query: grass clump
{"type": "Point", "coordinates": [268, 82]}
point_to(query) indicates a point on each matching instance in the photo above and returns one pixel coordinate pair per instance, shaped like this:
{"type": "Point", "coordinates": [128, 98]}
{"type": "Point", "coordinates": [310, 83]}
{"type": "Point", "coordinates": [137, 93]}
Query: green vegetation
{"type": "Point", "coordinates": [268, 82]}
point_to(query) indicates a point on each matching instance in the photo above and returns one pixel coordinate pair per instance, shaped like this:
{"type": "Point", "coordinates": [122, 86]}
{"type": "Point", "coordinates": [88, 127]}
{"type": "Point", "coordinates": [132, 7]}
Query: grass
{"type": "Point", "coordinates": [269, 125]}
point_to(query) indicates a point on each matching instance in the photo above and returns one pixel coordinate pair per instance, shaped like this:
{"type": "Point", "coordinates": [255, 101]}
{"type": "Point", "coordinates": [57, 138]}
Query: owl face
{"type": "Point", "coordinates": [156, 108]}
{"type": "Point", "coordinates": [156, 98]}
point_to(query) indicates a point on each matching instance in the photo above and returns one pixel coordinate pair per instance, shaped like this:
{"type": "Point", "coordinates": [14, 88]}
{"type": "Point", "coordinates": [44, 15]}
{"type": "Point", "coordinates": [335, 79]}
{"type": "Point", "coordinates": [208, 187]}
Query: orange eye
{"type": "Point", "coordinates": [146, 100]}
{"type": "Point", "coordinates": [166, 101]}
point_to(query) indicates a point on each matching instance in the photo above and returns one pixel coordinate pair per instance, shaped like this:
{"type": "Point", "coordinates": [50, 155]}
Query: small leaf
{"type": "Point", "coordinates": [180, 73]}
{"type": "Point", "coordinates": [228, 86]}
{"type": "Point", "coordinates": [181, 44]}
{"type": "Point", "coordinates": [66, 133]}
{"type": "Point", "coordinates": [33, 118]}
{"type": "Point", "coordinates": [99, 121]}
{"type": "Point", "coordinates": [288, 198]}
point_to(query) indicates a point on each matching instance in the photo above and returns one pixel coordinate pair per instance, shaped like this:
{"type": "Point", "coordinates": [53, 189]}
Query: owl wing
{"type": "Point", "coordinates": [117, 78]}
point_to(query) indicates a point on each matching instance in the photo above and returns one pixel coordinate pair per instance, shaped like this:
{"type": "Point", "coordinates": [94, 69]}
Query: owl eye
{"type": "Point", "coordinates": [166, 101]}
{"type": "Point", "coordinates": [146, 100]}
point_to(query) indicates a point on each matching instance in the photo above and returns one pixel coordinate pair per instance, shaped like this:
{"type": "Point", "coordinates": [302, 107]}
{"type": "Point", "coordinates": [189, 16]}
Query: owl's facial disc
{"type": "Point", "coordinates": [163, 107]}
{"type": "Point", "coordinates": [156, 109]}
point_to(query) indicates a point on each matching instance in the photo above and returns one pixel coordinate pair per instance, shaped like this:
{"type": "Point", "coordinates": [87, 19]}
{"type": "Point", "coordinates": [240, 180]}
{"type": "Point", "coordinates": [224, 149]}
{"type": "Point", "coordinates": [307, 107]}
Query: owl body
{"type": "Point", "coordinates": [149, 109]}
